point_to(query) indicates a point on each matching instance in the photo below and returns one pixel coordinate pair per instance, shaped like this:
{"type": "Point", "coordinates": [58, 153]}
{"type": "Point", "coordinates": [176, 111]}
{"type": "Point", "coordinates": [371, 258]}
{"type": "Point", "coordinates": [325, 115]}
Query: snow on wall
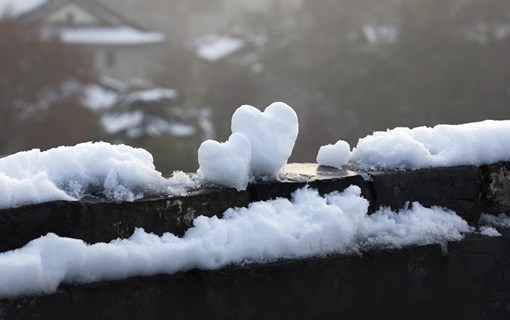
{"type": "Point", "coordinates": [68, 173]}
{"type": "Point", "coordinates": [307, 225]}
{"type": "Point", "coordinates": [474, 143]}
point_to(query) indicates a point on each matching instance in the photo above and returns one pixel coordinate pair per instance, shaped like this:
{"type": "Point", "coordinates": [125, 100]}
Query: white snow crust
{"type": "Point", "coordinates": [308, 225]}
{"type": "Point", "coordinates": [68, 173]}
{"type": "Point", "coordinates": [474, 143]}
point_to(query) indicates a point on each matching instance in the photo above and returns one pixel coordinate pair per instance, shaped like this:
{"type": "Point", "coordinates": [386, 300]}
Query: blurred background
{"type": "Point", "coordinates": [166, 75]}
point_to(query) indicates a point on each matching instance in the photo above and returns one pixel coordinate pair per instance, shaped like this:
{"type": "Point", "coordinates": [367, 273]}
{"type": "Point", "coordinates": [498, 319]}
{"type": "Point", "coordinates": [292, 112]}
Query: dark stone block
{"type": "Point", "coordinates": [472, 282]}
{"type": "Point", "coordinates": [96, 220]}
{"type": "Point", "coordinates": [455, 188]}
{"type": "Point", "coordinates": [479, 265]}
{"type": "Point", "coordinates": [319, 288]}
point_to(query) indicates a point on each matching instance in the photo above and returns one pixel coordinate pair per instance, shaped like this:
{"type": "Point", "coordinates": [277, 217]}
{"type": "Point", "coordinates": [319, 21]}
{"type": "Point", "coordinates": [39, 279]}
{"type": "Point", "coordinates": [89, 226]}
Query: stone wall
{"type": "Point", "coordinates": [471, 282]}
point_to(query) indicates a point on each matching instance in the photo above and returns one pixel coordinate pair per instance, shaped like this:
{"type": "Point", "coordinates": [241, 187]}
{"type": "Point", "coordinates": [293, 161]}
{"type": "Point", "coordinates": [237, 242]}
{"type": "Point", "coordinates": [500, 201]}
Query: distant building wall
{"type": "Point", "coordinates": [126, 63]}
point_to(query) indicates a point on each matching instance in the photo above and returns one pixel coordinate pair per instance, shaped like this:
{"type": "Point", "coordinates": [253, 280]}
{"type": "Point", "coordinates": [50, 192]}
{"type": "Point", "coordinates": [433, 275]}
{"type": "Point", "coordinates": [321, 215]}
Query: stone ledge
{"type": "Point", "coordinates": [467, 190]}
{"type": "Point", "coordinates": [472, 282]}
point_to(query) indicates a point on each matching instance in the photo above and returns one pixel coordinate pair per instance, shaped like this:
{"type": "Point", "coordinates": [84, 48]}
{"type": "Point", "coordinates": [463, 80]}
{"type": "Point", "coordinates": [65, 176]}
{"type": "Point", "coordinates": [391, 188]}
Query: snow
{"type": "Point", "coordinates": [137, 124]}
{"type": "Point", "coordinates": [122, 35]}
{"type": "Point", "coordinates": [308, 225]}
{"type": "Point", "coordinates": [98, 98]}
{"type": "Point", "coordinates": [68, 173]}
{"type": "Point", "coordinates": [502, 220]}
{"type": "Point", "coordinates": [380, 33]}
{"type": "Point", "coordinates": [158, 126]}
{"type": "Point", "coordinates": [214, 47]}
{"type": "Point", "coordinates": [18, 7]}
{"type": "Point", "coordinates": [226, 164]}
{"type": "Point", "coordinates": [152, 95]}
{"type": "Point", "coordinates": [115, 123]}
{"type": "Point", "coordinates": [474, 143]}
{"type": "Point", "coordinates": [489, 232]}
{"type": "Point", "coordinates": [260, 145]}
{"type": "Point", "coordinates": [336, 155]}
{"type": "Point", "coordinates": [272, 135]}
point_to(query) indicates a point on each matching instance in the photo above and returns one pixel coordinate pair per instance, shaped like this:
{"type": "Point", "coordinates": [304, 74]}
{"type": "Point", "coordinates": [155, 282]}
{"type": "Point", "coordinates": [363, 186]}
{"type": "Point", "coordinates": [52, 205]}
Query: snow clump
{"type": "Point", "coordinates": [334, 155]}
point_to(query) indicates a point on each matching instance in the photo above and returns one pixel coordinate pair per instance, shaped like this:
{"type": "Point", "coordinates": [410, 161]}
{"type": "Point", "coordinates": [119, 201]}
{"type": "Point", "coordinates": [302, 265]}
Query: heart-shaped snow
{"type": "Point", "coordinates": [272, 135]}
{"type": "Point", "coordinates": [226, 164]}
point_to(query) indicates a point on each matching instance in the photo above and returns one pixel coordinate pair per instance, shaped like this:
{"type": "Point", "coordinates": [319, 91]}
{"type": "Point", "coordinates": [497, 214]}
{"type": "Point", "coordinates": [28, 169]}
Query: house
{"type": "Point", "coordinates": [117, 48]}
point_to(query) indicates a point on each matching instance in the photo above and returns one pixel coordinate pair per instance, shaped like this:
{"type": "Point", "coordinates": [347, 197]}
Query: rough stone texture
{"type": "Point", "coordinates": [496, 187]}
{"type": "Point", "coordinates": [472, 282]}
{"type": "Point", "coordinates": [95, 220]}
{"type": "Point", "coordinates": [455, 188]}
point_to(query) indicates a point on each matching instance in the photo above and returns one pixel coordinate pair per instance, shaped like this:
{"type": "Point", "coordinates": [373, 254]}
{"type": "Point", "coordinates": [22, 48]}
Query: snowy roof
{"type": "Point", "coordinates": [214, 47]}
{"type": "Point", "coordinates": [18, 7]}
{"type": "Point", "coordinates": [122, 35]}
{"type": "Point", "coordinates": [112, 29]}
{"type": "Point", "coordinates": [96, 9]}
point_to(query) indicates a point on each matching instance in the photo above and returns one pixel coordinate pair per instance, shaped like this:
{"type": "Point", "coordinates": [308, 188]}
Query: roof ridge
{"type": "Point", "coordinates": [97, 9]}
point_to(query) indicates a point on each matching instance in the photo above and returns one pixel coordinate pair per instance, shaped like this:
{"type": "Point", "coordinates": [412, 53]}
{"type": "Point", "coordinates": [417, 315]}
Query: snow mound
{"type": "Point", "coordinates": [334, 155]}
{"type": "Point", "coordinates": [474, 143]}
{"type": "Point", "coordinates": [68, 173]}
{"type": "Point", "coordinates": [305, 226]}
